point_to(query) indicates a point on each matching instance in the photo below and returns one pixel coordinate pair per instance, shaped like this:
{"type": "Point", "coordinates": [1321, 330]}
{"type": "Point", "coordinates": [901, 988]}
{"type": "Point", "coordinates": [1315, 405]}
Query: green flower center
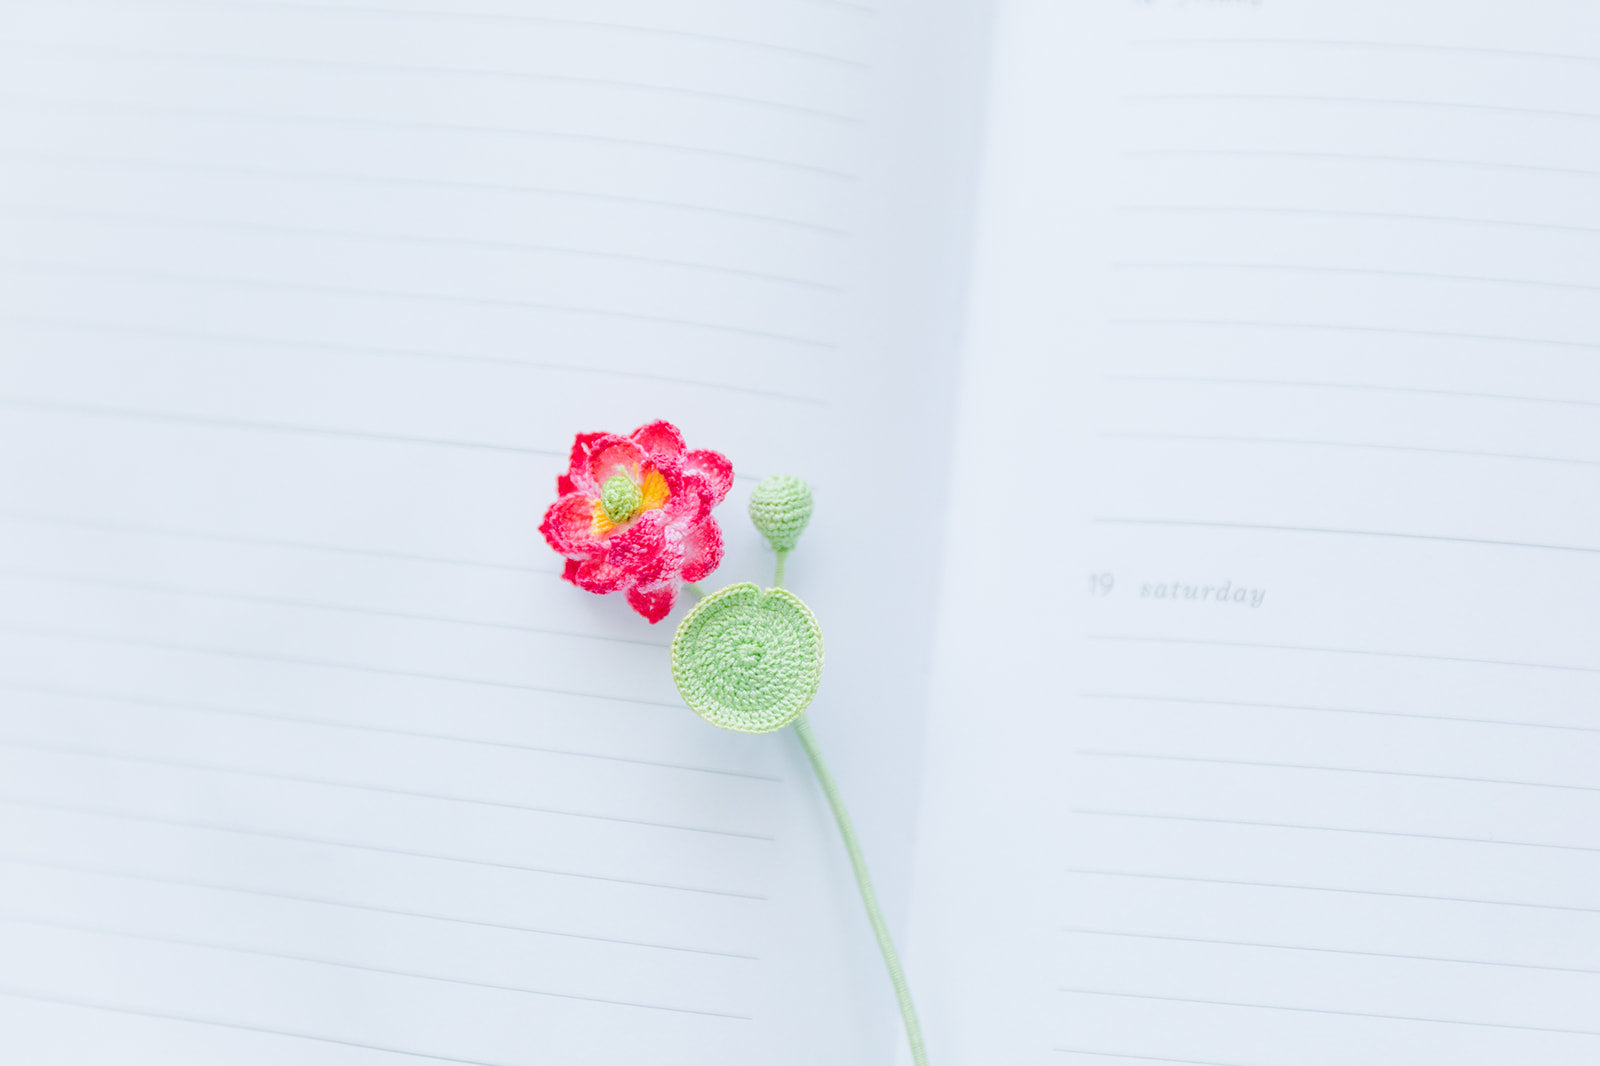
{"type": "Point", "coordinates": [620, 499]}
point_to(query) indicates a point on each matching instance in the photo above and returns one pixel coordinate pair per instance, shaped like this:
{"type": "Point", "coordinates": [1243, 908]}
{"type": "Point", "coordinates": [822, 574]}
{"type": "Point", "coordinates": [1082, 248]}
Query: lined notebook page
{"type": "Point", "coordinates": [1291, 311]}
{"type": "Point", "coordinates": [307, 755]}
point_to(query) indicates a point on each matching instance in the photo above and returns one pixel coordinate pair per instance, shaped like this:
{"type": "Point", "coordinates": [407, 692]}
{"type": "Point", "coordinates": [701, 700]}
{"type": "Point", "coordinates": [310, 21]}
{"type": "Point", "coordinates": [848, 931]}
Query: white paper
{"type": "Point", "coordinates": [1275, 546]}
{"type": "Point", "coordinates": [307, 755]}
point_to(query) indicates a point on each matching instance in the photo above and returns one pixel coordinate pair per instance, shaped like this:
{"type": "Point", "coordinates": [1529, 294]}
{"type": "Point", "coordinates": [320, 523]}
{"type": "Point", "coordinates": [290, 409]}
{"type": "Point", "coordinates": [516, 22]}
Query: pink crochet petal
{"type": "Point", "coordinates": [568, 525]}
{"type": "Point", "coordinates": [715, 469]}
{"type": "Point", "coordinates": [577, 475]}
{"type": "Point", "coordinates": [650, 550]}
{"type": "Point", "coordinates": [660, 439]}
{"type": "Point", "coordinates": [599, 576]}
{"type": "Point", "coordinates": [666, 566]}
{"type": "Point", "coordinates": [685, 494]}
{"type": "Point", "coordinates": [671, 467]}
{"type": "Point", "coordinates": [653, 601]}
{"type": "Point", "coordinates": [569, 572]}
{"type": "Point", "coordinates": [689, 505]}
{"type": "Point", "coordinates": [633, 547]}
{"type": "Point", "coordinates": [702, 550]}
{"type": "Point", "coordinates": [611, 456]}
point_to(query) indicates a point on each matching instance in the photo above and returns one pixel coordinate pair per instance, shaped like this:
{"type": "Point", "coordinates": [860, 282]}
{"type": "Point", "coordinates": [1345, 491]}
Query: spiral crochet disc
{"type": "Point", "coordinates": [747, 658]}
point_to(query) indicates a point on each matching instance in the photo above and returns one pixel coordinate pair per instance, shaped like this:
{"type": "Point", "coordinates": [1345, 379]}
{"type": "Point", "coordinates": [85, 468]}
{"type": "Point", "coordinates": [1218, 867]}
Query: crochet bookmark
{"type": "Point", "coordinates": [634, 516]}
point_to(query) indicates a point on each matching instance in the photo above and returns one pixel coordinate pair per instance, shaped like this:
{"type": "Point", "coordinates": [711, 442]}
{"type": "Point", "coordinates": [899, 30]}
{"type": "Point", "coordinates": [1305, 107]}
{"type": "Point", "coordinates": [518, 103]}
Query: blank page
{"type": "Point", "coordinates": [306, 754]}
{"type": "Point", "coordinates": [1266, 732]}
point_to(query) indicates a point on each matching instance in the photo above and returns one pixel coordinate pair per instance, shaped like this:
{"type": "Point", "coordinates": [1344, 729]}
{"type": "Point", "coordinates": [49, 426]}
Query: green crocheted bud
{"type": "Point", "coordinates": [781, 507]}
{"type": "Point", "coordinates": [747, 658]}
{"type": "Point", "coordinates": [620, 499]}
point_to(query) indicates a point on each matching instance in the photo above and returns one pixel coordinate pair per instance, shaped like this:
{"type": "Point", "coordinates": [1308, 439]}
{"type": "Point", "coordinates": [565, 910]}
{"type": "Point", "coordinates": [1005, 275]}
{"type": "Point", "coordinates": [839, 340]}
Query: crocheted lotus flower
{"type": "Point", "coordinates": [635, 515]}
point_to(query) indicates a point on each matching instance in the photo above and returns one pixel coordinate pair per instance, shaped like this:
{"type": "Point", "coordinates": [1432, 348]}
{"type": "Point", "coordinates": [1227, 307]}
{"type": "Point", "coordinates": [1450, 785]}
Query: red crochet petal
{"type": "Point", "coordinates": [577, 475]}
{"type": "Point", "coordinates": [653, 601]}
{"type": "Point", "coordinates": [702, 550]}
{"type": "Point", "coordinates": [635, 546]}
{"type": "Point", "coordinates": [714, 469]}
{"type": "Point", "coordinates": [614, 455]}
{"type": "Point", "coordinates": [666, 566]}
{"type": "Point", "coordinates": [568, 525]}
{"type": "Point", "coordinates": [661, 439]}
{"type": "Point", "coordinates": [686, 500]}
{"type": "Point", "coordinates": [569, 572]}
{"type": "Point", "coordinates": [599, 576]}
{"type": "Point", "coordinates": [689, 505]}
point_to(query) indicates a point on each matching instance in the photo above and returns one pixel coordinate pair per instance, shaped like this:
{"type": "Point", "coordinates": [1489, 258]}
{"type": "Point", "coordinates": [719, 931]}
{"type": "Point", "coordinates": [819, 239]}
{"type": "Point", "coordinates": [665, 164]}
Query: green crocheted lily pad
{"type": "Point", "coordinates": [747, 658]}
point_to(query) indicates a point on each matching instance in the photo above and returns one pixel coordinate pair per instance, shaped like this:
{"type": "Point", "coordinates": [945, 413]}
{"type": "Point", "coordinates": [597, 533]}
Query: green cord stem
{"type": "Point", "coordinates": [858, 863]}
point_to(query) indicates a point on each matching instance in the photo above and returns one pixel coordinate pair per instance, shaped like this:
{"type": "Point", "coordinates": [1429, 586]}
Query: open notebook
{"type": "Point", "coordinates": [1201, 403]}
